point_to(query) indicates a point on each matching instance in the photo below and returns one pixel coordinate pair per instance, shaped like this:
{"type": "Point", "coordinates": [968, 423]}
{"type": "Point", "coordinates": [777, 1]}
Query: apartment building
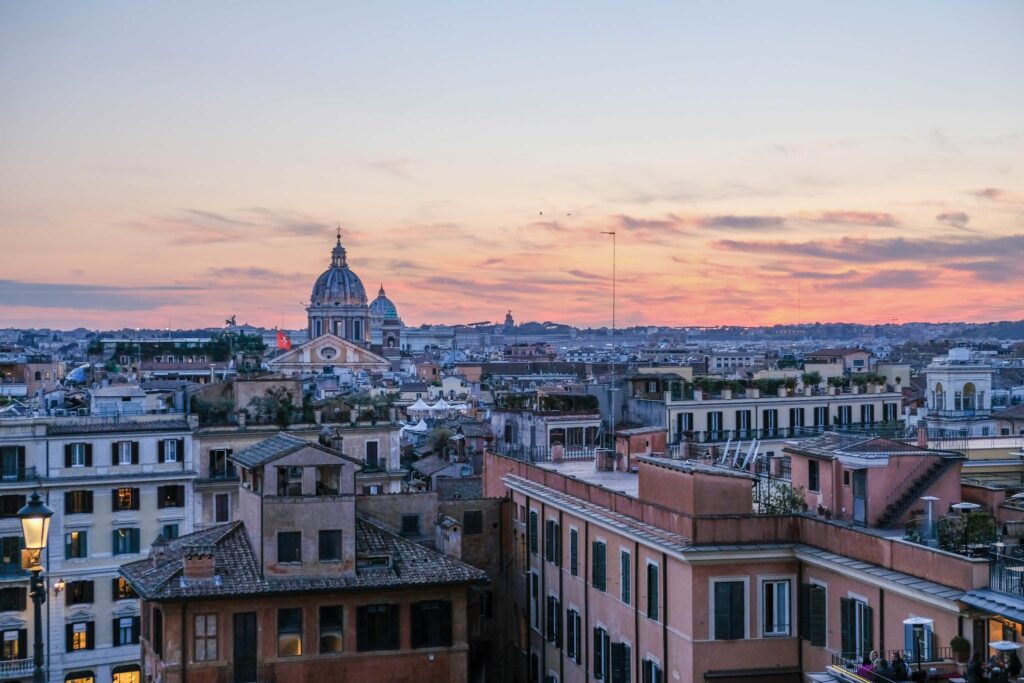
{"type": "Point", "coordinates": [670, 574]}
{"type": "Point", "coordinates": [300, 588]}
{"type": "Point", "coordinates": [115, 485]}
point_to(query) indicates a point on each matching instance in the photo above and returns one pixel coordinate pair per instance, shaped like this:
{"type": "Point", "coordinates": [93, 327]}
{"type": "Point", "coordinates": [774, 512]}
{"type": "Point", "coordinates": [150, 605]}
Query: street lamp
{"type": "Point", "coordinates": [917, 625]}
{"type": "Point", "coordinates": [35, 525]}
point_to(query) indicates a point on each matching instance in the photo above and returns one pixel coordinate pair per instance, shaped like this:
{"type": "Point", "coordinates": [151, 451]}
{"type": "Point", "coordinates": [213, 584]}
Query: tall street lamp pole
{"type": "Point", "coordinates": [35, 525]}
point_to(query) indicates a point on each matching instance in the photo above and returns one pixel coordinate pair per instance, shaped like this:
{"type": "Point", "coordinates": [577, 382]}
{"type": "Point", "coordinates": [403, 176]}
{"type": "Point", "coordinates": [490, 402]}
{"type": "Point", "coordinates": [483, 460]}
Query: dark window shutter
{"type": "Point", "coordinates": [67, 502]}
{"type": "Point", "coordinates": [161, 447]}
{"type": "Point", "coordinates": [362, 629]}
{"type": "Point", "coordinates": [135, 452]}
{"type": "Point", "coordinates": [115, 504]}
{"type": "Point", "coordinates": [88, 455]}
{"type": "Point", "coordinates": [738, 605]}
{"type": "Point", "coordinates": [114, 588]}
{"type": "Point", "coordinates": [846, 621]}
{"type": "Point", "coordinates": [574, 552]}
{"type": "Point", "coordinates": [160, 490]}
{"type": "Point", "coordinates": [69, 637]}
{"type": "Point", "coordinates": [89, 592]}
{"type": "Point", "coordinates": [67, 455]}
{"type": "Point", "coordinates": [618, 673]}
{"type": "Point", "coordinates": [114, 542]}
{"type": "Point", "coordinates": [179, 495]}
{"type": "Point", "coordinates": [598, 664]}
{"type": "Point", "coordinates": [90, 635]}
{"type": "Point", "coordinates": [88, 501]}
{"type": "Point", "coordinates": [723, 610]}
{"type": "Point", "coordinates": [135, 499]}
{"type": "Point", "coordinates": [533, 532]}
{"type": "Point", "coordinates": [818, 626]}
{"type": "Point", "coordinates": [113, 453]}
{"type": "Point", "coordinates": [23, 641]}
{"type": "Point", "coordinates": [135, 630]}
{"type": "Point", "coordinates": [22, 599]}
{"type": "Point", "coordinates": [180, 450]}
{"type": "Point", "coordinates": [558, 545]}
{"type": "Point", "coordinates": [134, 536]}
{"type": "Point", "coordinates": [416, 624]}
{"type": "Point", "coordinates": [21, 465]}
{"type": "Point", "coordinates": [393, 623]}
{"type": "Point", "coordinates": [446, 623]}
{"type": "Point", "coordinates": [804, 612]}
{"type": "Point", "coordinates": [117, 633]}
{"type": "Point", "coordinates": [868, 644]}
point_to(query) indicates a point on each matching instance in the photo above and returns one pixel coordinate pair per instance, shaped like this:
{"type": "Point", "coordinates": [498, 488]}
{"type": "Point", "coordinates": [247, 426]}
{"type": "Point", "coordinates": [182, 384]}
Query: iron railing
{"type": "Point", "coordinates": [17, 474]}
{"type": "Point", "coordinates": [544, 453]}
{"type": "Point", "coordinates": [1006, 575]}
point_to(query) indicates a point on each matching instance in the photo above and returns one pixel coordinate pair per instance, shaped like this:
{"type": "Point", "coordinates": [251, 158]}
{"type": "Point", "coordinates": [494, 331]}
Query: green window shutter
{"type": "Point", "coordinates": [868, 643]}
{"type": "Point", "coordinates": [723, 610]}
{"type": "Point", "coordinates": [624, 584]}
{"type": "Point", "coordinates": [804, 612]}
{"type": "Point", "coordinates": [653, 588]}
{"type": "Point", "coordinates": [819, 624]}
{"type": "Point", "coordinates": [533, 532]}
{"type": "Point", "coordinates": [117, 632]}
{"type": "Point", "coordinates": [558, 545]}
{"type": "Point", "coordinates": [738, 605]}
{"type": "Point", "coordinates": [574, 552]}
{"type": "Point", "coordinates": [598, 659]}
{"type": "Point", "coordinates": [597, 572]}
{"type": "Point", "coordinates": [846, 620]}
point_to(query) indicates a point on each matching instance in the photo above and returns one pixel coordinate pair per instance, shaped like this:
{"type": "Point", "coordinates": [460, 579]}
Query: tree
{"type": "Point", "coordinates": [438, 438]}
{"type": "Point", "coordinates": [276, 406]}
{"type": "Point", "coordinates": [811, 379]}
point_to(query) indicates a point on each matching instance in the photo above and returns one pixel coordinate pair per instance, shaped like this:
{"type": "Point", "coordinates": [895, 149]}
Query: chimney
{"type": "Point", "coordinates": [198, 563]}
{"type": "Point", "coordinates": [922, 434]}
{"type": "Point", "coordinates": [337, 440]}
{"type": "Point", "coordinates": [158, 549]}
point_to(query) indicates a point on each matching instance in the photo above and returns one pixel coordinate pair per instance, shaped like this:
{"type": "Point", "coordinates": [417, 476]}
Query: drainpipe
{"type": "Point", "coordinates": [184, 650]}
{"type": "Point", "coordinates": [664, 611]}
{"type": "Point", "coordinates": [636, 607]}
{"type": "Point", "coordinates": [561, 604]}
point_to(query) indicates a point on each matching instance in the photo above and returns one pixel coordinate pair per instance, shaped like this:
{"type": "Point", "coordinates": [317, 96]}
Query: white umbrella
{"type": "Point", "coordinates": [440, 405]}
{"type": "Point", "coordinates": [1004, 645]}
{"type": "Point", "coordinates": [420, 426]}
{"type": "Point", "coordinates": [419, 405]}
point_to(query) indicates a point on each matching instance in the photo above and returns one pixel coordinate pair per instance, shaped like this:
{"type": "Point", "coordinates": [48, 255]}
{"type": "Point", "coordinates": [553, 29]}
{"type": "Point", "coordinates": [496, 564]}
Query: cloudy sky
{"type": "Point", "coordinates": [173, 163]}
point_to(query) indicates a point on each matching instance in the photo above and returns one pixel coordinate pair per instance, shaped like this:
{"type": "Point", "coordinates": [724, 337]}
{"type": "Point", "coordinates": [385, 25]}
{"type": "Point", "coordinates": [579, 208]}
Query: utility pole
{"type": "Point", "coordinates": [611, 392]}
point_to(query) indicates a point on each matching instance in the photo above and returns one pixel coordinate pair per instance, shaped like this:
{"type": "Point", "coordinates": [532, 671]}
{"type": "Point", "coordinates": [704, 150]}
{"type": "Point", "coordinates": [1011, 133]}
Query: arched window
{"type": "Point", "coordinates": [127, 673]}
{"type": "Point", "coordinates": [357, 330]}
{"type": "Point", "coordinates": [80, 677]}
{"type": "Point", "coordinates": [38, 375]}
{"type": "Point", "coordinates": [939, 397]}
{"type": "Point", "coordinates": [970, 396]}
{"type": "Point", "coordinates": [317, 327]}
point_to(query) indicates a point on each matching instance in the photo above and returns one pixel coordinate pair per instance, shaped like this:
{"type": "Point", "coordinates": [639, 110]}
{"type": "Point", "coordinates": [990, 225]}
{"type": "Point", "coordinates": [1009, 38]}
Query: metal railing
{"type": "Point", "coordinates": [1006, 575]}
{"type": "Point", "coordinates": [544, 453]}
{"type": "Point", "coordinates": [22, 474]}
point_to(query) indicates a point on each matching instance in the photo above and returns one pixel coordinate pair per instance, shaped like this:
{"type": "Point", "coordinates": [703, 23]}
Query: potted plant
{"type": "Point", "coordinates": [961, 648]}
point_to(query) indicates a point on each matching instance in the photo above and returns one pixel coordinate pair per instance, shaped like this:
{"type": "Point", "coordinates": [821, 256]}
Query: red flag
{"type": "Point", "coordinates": [283, 341]}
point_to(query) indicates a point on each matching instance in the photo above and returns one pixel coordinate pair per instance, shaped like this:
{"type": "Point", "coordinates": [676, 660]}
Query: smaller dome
{"type": "Point", "coordinates": [382, 307]}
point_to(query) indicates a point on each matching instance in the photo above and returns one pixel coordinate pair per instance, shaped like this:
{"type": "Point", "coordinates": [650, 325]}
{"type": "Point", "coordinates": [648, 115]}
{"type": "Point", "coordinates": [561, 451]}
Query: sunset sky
{"type": "Point", "coordinates": [170, 164]}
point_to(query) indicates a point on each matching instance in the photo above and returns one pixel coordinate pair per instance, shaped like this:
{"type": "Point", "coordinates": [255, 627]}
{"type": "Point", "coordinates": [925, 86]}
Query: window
{"type": "Point", "coordinates": [79, 636]}
{"type": "Point", "coordinates": [330, 545]}
{"type": "Point", "coordinates": [621, 662]}
{"type": "Point", "coordinates": [76, 545]}
{"type": "Point", "coordinates": [728, 612]}
{"type": "Point", "coordinates": [533, 532]}
{"type": "Point", "coordinates": [78, 455]}
{"type": "Point", "coordinates": [80, 677]}
{"type": "Point", "coordinates": [221, 507]}
{"type": "Point", "coordinates": [813, 623]}
{"type": "Point", "coordinates": [856, 623]}
{"type": "Point", "coordinates": [410, 525]}
{"type": "Point", "coordinates": [79, 592]}
{"type": "Point", "coordinates": [77, 502]}
{"type": "Point", "coordinates": [126, 631]}
{"type": "Point", "coordinates": [813, 476]}
{"type": "Point", "coordinates": [289, 632]}
{"type": "Point", "coordinates": [553, 542]}
{"type": "Point", "coordinates": [10, 549]}
{"type": "Point", "coordinates": [846, 477]}
{"type": "Point", "coordinates": [9, 505]}
{"type": "Point", "coordinates": [535, 600]}
{"type": "Point", "coordinates": [328, 480]}
{"type": "Point", "coordinates": [12, 463]}
{"type": "Point", "coordinates": [845, 415]}
{"type": "Point", "coordinates": [158, 632]}
{"type": "Point", "coordinates": [172, 496]}
{"type": "Point", "coordinates": [124, 499]}
{"type": "Point", "coordinates": [372, 454]}
{"type": "Point", "coordinates": [170, 450]}
{"type": "Point", "coordinates": [775, 608]}
{"type": "Point", "coordinates": [125, 541]}
{"type": "Point", "coordinates": [653, 588]}
{"type": "Point", "coordinates": [332, 628]}
{"type": "Point", "coordinates": [431, 623]}
{"type": "Point", "coordinates": [597, 565]}
{"type": "Point", "coordinates": [289, 481]}
{"type": "Point", "coordinates": [15, 644]}
{"type": "Point", "coordinates": [220, 466]}
{"type": "Point", "coordinates": [926, 643]}
{"type": "Point", "coordinates": [169, 531]}
{"type": "Point", "coordinates": [377, 627]}
{"type": "Point", "coordinates": [573, 644]}
{"type": "Point", "coordinates": [651, 672]}
{"type": "Point", "coordinates": [122, 590]}
{"type": "Point", "coordinates": [289, 546]}
{"type": "Point", "coordinates": [821, 416]}
{"type": "Point", "coordinates": [624, 576]}
{"type": "Point", "coordinates": [574, 552]}
{"type": "Point", "coordinates": [12, 599]}
{"type": "Point", "coordinates": [124, 453]}
{"type": "Point", "coordinates": [472, 522]}
{"type": "Point", "coordinates": [602, 653]}
{"type": "Point", "coordinates": [127, 673]}
{"type": "Point", "coordinates": [553, 621]}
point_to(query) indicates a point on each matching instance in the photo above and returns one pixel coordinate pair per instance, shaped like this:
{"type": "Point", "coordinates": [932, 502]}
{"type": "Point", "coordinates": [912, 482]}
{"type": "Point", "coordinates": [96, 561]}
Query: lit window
{"type": "Point", "coordinates": [331, 629]}
{"type": "Point", "coordinates": [289, 632]}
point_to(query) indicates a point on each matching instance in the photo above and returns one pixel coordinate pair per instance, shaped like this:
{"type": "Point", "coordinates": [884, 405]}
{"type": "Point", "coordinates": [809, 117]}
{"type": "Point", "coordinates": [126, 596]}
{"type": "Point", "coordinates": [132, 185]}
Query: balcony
{"type": "Point", "coordinates": [11, 475]}
{"type": "Point", "coordinates": [1006, 575]}
{"type": "Point", "coordinates": [895, 430]}
{"type": "Point", "coordinates": [15, 668]}
{"type": "Point", "coordinates": [12, 570]}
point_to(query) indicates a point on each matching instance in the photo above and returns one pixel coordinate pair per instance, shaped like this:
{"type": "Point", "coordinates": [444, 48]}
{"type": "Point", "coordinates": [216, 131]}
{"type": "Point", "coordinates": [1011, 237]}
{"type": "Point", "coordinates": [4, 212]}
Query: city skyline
{"type": "Point", "coordinates": [760, 165]}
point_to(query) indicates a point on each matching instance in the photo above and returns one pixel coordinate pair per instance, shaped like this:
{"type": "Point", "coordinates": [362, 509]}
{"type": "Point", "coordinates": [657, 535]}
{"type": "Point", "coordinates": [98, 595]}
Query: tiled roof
{"type": "Point", "coordinates": [118, 426]}
{"type": "Point", "coordinates": [273, 448]}
{"type": "Point", "coordinates": [238, 574]}
{"type": "Point", "coordinates": [475, 429]}
{"type": "Point", "coordinates": [1012, 413]}
{"type": "Point", "coordinates": [460, 488]}
{"type": "Point", "coordinates": [430, 464]}
{"type": "Point", "coordinates": [995, 602]}
{"type": "Point", "coordinates": [119, 391]}
{"type": "Point", "coordinates": [835, 445]}
{"type": "Point", "coordinates": [615, 521]}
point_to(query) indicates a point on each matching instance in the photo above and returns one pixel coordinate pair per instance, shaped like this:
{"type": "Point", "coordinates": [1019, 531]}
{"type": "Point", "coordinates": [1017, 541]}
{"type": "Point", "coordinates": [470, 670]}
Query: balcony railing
{"type": "Point", "coordinates": [895, 430]}
{"type": "Point", "coordinates": [544, 453]}
{"type": "Point", "coordinates": [1006, 575]}
{"type": "Point", "coordinates": [23, 474]}
{"type": "Point", "coordinates": [16, 668]}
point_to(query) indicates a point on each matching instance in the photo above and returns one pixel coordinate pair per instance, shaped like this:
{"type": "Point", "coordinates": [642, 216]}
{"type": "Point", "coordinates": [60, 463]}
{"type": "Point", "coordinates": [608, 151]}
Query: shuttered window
{"type": "Point", "coordinates": [653, 588]}
{"type": "Point", "coordinates": [574, 552]}
{"type": "Point", "coordinates": [377, 627]}
{"type": "Point", "coordinates": [813, 623]}
{"type": "Point", "coordinates": [553, 622]}
{"type": "Point", "coordinates": [624, 577]}
{"type": "Point", "coordinates": [856, 622]}
{"type": "Point", "coordinates": [602, 653]}
{"type": "Point", "coordinates": [553, 542]}
{"type": "Point", "coordinates": [533, 532]}
{"type": "Point", "coordinates": [621, 661]}
{"type": "Point", "coordinates": [79, 636]}
{"type": "Point", "coordinates": [125, 541]}
{"type": "Point", "coordinates": [77, 502]}
{"type": "Point", "coordinates": [170, 496]}
{"type": "Point", "coordinates": [729, 606]}
{"type": "Point", "coordinates": [651, 672]}
{"type": "Point", "coordinates": [573, 644]}
{"type": "Point", "coordinates": [597, 568]}
{"type": "Point", "coordinates": [431, 623]}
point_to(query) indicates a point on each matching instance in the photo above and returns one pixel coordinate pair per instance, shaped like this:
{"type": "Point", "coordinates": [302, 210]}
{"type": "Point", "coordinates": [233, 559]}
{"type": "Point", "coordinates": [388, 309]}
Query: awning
{"type": "Point", "coordinates": [994, 602]}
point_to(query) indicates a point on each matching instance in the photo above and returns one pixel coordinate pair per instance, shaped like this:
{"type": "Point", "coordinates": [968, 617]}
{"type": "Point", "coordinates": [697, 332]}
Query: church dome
{"type": "Point", "coordinates": [382, 307]}
{"type": "Point", "coordinates": [338, 285]}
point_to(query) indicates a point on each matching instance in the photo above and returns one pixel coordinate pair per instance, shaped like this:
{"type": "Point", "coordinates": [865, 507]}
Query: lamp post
{"type": "Point", "coordinates": [917, 625]}
{"type": "Point", "coordinates": [35, 525]}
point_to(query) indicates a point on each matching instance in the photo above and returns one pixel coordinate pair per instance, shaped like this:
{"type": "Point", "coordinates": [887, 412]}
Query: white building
{"type": "Point", "coordinates": [959, 394]}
